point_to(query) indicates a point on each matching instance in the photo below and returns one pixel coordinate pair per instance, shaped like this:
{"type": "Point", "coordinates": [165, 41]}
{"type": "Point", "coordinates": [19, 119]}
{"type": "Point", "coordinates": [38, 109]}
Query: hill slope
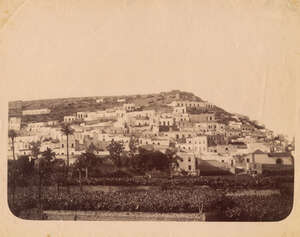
{"type": "Point", "coordinates": [67, 106]}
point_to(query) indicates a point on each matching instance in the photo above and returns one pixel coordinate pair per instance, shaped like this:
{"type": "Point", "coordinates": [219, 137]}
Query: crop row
{"type": "Point", "coordinates": [245, 208]}
{"type": "Point", "coordinates": [217, 182]}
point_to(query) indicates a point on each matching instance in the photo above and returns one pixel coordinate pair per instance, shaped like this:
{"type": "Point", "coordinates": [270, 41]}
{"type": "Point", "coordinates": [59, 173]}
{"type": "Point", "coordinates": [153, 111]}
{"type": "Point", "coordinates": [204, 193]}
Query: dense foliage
{"type": "Point", "coordinates": [229, 183]}
{"type": "Point", "coordinates": [178, 200]}
{"type": "Point", "coordinates": [258, 208]}
{"type": "Point", "coordinates": [145, 201]}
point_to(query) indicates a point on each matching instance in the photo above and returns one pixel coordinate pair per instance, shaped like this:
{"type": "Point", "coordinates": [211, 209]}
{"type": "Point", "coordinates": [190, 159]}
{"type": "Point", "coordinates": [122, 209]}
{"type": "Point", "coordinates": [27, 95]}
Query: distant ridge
{"type": "Point", "coordinates": [61, 107]}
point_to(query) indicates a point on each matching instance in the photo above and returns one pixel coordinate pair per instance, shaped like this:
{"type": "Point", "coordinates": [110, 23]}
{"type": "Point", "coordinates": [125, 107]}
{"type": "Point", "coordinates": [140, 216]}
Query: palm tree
{"type": "Point", "coordinates": [67, 131]}
{"type": "Point", "coordinates": [12, 135]}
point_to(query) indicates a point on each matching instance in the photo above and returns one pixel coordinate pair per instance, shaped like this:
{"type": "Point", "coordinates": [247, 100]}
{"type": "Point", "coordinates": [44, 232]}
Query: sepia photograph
{"type": "Point", "coordinates": [149, 111]}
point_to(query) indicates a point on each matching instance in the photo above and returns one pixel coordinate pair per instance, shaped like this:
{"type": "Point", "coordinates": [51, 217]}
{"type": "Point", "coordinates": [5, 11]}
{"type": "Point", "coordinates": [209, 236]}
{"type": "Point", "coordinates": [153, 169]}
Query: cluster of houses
{"type": "Point", "coordinates": [201, 139]}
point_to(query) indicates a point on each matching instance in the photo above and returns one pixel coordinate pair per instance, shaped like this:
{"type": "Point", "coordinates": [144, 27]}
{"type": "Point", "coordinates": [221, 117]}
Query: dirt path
{"type": "Point", "coordinates": [122, 216]}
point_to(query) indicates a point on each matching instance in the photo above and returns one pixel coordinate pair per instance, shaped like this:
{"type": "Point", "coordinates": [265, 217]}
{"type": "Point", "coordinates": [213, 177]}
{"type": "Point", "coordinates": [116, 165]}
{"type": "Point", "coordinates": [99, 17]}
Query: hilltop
{"type": "Point", "coordinates": [61, 107]}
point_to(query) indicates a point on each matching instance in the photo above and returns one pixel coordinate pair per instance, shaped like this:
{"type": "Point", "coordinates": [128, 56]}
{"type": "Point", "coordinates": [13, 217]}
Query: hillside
{"type": "Point", "coordinates": [67, 106]}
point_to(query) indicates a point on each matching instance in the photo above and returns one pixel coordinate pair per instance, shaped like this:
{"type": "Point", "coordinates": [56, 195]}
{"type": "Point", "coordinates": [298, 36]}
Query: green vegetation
{"type": "Point", "coordinates": [172, 200]}
{"type": "Point", "coordinates": [177, 194]}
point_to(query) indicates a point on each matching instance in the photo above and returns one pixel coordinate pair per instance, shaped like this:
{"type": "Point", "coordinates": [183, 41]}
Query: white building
{"type": "Point", "coordinates": [100, 100]}
{"type": "Point", "coordinates": [35, 127]}
{"type": "Point", "coordinates": [187, 162]}
{"type": "Point", "coordinates": [179, 109]}
{"type": "Point", "coordinates": [81, 115]}
{"type": "Point", "coordinates": [63, 145]}
{"type": "Point", "coordinates": [196, 145]}
{"type": "Point", "coordinates": [181, 117]}
{"type": "Point", "coordinates": [140, 114]}
{"type": "Point", "coordinates": [36, 111]}
{"type": "Point", "coordinates": [69, 119]}
{"type": "Point", "coordinates": [52, 123]}
{"type": "Point", "coordinates": [192, 104]}
{"type": "Point", "coordinates": [166, 121]}
{"type": "Point", "coordinates": [121, 100]}
{"type": "Point", "coordinates": [235, 125]}
{"type": "Point", "coordinates": [14, 123]}
{"type": "Point", "coordinates": [210, 128]}
{"type": "Point", "coordinates": [129, 107]}
{"type": "Point", "coordinates": [140, 122]}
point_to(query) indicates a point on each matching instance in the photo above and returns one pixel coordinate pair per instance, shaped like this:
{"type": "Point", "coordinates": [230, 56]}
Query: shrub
{"type": "Point", "coordinates": [258, 208]}
{"type": "Point", "coordinates": [229, 183]}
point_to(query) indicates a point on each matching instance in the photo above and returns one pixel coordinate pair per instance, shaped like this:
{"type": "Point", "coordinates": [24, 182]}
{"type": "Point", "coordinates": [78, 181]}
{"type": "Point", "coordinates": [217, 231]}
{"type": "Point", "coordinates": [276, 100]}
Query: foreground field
{"type": "Point", "coordinates": [230, 199]}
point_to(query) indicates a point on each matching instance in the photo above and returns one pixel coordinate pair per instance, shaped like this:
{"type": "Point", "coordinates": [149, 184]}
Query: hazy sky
{"type": "Point", "coordinates": [241, 55]}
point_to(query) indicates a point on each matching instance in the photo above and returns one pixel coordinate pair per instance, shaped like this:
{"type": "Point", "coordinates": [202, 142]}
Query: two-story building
{"type": "Point", "coordinates": [70, 118]}
{"type": "Point", "coordinates": [187, 162]}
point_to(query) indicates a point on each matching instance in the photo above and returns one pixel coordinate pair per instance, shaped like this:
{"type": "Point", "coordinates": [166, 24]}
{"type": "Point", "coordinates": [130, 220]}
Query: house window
{"type": "Point", "coordinates": [189, 159]}
{"type": "Point", "coordinates": [279, 162]}
{"type": "Point", "coordinates": [190, 167]}
{"type": "Point", "coordinates": [222, 161]}
{"type": "Point", "coordinates": [62, 145]}
{"type": "Point", "coordinates": [248, 160]}
{"type": "Point", "coordinates": [72, 145]}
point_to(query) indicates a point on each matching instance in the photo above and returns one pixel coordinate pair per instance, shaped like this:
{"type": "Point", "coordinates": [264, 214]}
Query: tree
{"type": "Point", "coordinates": [92, 148]}
{"type": "Point", "coordinates": [133, 149]}
{"type": "Point", "coordinates": [87, 161]}
{"type": "Point", "coordinates": [58, 172]}
{"type": "Point", "coordinates": [12, 134]}
{"type": "Point", "coordinates": [35, 149]}
{"type": "Point", "coordinates": [172, 159]}
{"type": "Point", "coordinates": [44, 170]}
{"type": "Point", "coordinates": [67, 131]}
{"type": "Point", "coordinates": [148, 160]}
{"type": "Point", "coordinates": [24, 169]}
{"type": "Point", "coordinates": [133, 145]}
{"type": "Point", "coordinates": [115, 149]}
